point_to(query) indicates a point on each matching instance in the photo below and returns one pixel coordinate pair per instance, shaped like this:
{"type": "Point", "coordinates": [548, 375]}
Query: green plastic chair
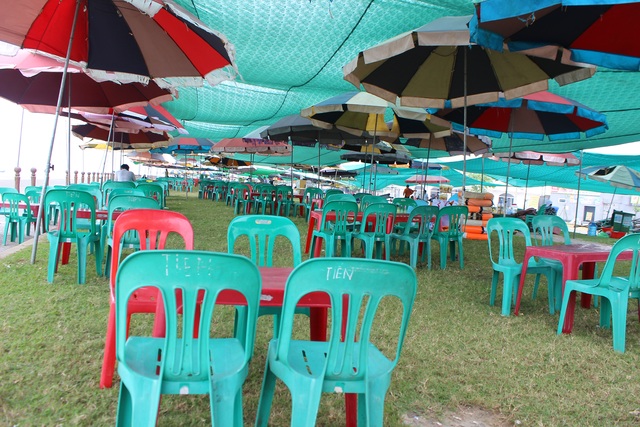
{"type": "Point", "coordinates": [349, 362]}
{"type": "Point", "coordinates": [108, 186]}
{"type": "Point", "coordinates": [382, 213]}
{"type": "Point", "coordinates": [340, 229]}
{"type": "Point", "coordinates": [265, 198]}
{"type": "Point", "coordinates": [262, 232]}
{"type": "Point", "coordinates": [369, 199]}
{"type": "Point", "coordinates": [3, 191]}
{"type": "Point", "coordinates": [184, 362]}
{"type": "Point", "coordinates": [614, 292]}
{"type": "Point", "coordinates": [504, 229]}
{"type": "Point", "coordinates": [67, 203]}
{"type": "Point", "coordinates": [310, 194]}
{"type": "Point", "coordinates": [339, 197]}
{"type": "Point", "coordinates": [130, 240]}
{"type": "Point", "coordinates": [457, 219]}
{"type": "Point", "coordinates": [284, 200]}
{"type": "Point", "coordinates": [404, 203]}
{"type": "Point", "coordinates": [18, 219]}
{"type": "Point", "coordinates": [331, 191]}
{"type": "Point", "coordinates": [241, 199]}
{"type": "Point", "coordinates": [543, 232]}
{"type": "Point", "coordinates": [155, 191]}
{"type": "Point", "coordinates": [418, 230]}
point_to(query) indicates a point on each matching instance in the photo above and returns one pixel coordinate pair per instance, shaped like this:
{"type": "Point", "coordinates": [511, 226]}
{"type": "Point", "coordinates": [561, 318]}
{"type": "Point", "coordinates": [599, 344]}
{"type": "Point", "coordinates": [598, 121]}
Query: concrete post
{"type": "Point", "coordinates": [33, 176]}
{"type": "Point", "coordinates": [17, 170]}
{"type": "Point", "coordinates": [75, 177]}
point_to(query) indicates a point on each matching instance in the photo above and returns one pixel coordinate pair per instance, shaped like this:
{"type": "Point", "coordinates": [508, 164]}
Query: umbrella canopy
{"type": "Point", "coordinates": [421, 179]}
{"type": "Point", "coordinates": [301, 131]}
{"type": "Point", "coordinates": [453, 144]}
{"type": "Point", "coordinates": [186, 145]}
{"type": "Point", "coordinates": [535, 158]}
{"type": "Point", "coordinates": [618, 176]}
{"type": "Point", "coordinates": [124, 41]}
{"type": "Point", "coordinates": [382, 152]}
{"type": "Point", "coordinates": [538, 116]}
{"type": "Point", "coordinates": [150, 158]}
{"type": "Point", "coordinates": [595, 32]}
{"type": "Point", "coordinates": [251, 146]}
{"type": "Point", "coordinates": [127, 121]}
{"type": "Point", "coordinates": [158, 116]}
{"type": "Point", "coordinates": [149, 139]}
{"type": "Point", "coordinates": [226, 162]}
{"type": "Point", "coordinates": [39, 94]}
{"type": "Point", "coordinates": [437, 62]}
{"type": "Point", "coordinates": [362, 113]}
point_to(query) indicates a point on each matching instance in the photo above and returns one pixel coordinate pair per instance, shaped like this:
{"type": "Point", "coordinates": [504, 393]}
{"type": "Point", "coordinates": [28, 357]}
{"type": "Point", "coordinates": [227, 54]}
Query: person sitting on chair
{"type": "Point", "coordinates": [124, 174]}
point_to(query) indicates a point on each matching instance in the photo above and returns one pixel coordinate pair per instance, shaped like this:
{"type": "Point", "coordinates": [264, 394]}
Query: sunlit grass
{"type": "Point", "coordinates": [458, 349]}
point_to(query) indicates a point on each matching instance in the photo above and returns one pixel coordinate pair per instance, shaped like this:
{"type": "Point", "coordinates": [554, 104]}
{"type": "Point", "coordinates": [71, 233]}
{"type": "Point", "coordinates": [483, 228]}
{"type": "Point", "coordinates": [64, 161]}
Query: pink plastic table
{"type": "Point", "coordinates": [571, 257]}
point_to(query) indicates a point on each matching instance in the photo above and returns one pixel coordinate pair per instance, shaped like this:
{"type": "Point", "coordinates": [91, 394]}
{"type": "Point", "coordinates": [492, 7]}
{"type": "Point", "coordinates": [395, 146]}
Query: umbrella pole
{"type": "Point", "coordinates": [575, 218]}
{"type": "Point", "coordinates": [526, 186]}
{"type": "Point", "coordinates": [506, 188]}
{"type": "Point", "coordinates": [291, 170]}
{"type": "Point", "coordinates": [68, 178]}
{"type": "Point", "coordinates": [482, 176]}
{"type": "Point", "coordinates": [426, 170]}
{"type": "Point", "coordinates": [464, 135]}
{"type": "Point", "coordinates": [318, 171]}
{"type": "Point", "coordinates": [611, 201]}
{"type": "Point", "coordinates": [20, 136]}
{"type": "Point", "coordinates": [47, 169]}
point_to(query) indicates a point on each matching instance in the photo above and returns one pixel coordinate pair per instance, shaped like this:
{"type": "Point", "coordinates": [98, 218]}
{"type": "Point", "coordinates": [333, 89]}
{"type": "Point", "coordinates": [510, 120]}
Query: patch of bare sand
{"type": "Point", "coordinates": [463, 417]}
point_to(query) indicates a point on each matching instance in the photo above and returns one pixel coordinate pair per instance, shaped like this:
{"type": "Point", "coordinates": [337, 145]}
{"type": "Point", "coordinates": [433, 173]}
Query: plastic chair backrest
{"type": "Point", "coordinates": [284, 192]}
{"type": "Point", "coordinates": [544, 225]}
{"type": "Point", "coordinates": [156, 225]}
{"type": "Point", "coordinates": [457, 218]}
{"type": "Point", "coordinates": [15, 210]}
{"type": "Point", "coordinates": [125, 202]}
{"type": "Point", "coordinates": [404, 203]}
{"type": "Point", "coordinates": [28, 188]}
{"type": "Point", "coordinates": [381, 212]}
{"type": "Point", "coordinates": [339, 197]}
{"type": "Point", "coordinates": [312, 193]}
{"type": "Point", "coordinates": [505, 228]}
{"type": "Point", "coordinates": [629, 242]}
{"type": "Point", "coordinates": [356, 287]}
{"type": "Point", "coordinates": [68, 203]}
{"type": "Point", "coordinates": [343, 211]}
{"type": "Point", "coordinates": [369, 199]}
{"type": "Point", "coordinates": [108, 186]}
{"type": "Point", "coordinates": [186, 279]}
{"type": "Point", "coordinates": [331, 191]}
{"type": "Point", "coordinates": [7, 190]}
{"type": "Point", "coordinates": [262, 232]}
{"type": "Point", "coordinates": [91, 189]}
{"type": "Point", "coordinates": [423, 216]}
{"type": "Point", "coordinates": [155, 191]}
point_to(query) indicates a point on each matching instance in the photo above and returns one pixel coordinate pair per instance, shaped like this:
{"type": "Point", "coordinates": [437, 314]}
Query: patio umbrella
{"type": "Point", "coordinates": [534, 158]}
{"type": "Point", "coordinates": [185, 145]}
{"type": "Point", "coordinates": [300, 131]}
{"type": "Point", "coordinates": [251, 146]}
{"type": "Point", "coordinates": [129, 137]}
{"type": "Point", "coordinates": [364, 114]}
{"type": "Point", "coordinates": [147, 157]}
{"type": "Point", "coordinates": [39, 93]}
{"type": "Point", "coordinates": [599, 32]}
{"type": "Point", "coordinates": [538, 116]}
{"type": "Point", "coordinates": [123, 41]}
{"type": "Point", "coordinates": [158, 116]}
{"type": "Point", "coordinates": [226, 162]}
{"type": "Point", "coordinates": [438, 63]}
{"type": "Point", "coordinates": [619, 176]}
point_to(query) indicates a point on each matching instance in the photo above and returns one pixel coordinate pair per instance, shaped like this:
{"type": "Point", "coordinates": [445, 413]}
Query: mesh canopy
{"type": "Point", "coordinates": [290, 56]}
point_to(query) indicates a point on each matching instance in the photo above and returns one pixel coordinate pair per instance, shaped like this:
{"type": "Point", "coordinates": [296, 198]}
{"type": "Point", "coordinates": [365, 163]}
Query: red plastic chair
{"type": "Point", "coordinates": [155, 225]}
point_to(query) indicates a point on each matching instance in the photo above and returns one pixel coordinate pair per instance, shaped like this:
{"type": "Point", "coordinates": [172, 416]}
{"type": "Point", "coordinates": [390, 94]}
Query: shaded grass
{"type": "Point", "coordinates": [458, 349]}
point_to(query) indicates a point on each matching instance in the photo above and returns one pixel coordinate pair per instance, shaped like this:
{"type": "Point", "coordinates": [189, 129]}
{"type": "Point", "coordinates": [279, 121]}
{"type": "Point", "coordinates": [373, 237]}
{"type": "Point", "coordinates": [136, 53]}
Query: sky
{"type": "Point", "coordinates": [32, 149]}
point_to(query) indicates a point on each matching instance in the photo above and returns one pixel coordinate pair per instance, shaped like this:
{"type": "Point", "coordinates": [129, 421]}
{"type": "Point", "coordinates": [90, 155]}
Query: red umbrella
{"type": "Point", "coordinates": [115, 40]}
{"type": "Point", "coordinates": [39, 93]}
{"type": "Point", "coordinates": [149, 139]}
{"type": "Point", "coordinates": [421, 179]}
{"type": "Point", "coordinates": [251, 146]}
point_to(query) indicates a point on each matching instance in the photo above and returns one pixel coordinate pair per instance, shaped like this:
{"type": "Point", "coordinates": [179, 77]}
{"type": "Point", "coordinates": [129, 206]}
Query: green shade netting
{"type": "Point", "coordinates": [289, 55]}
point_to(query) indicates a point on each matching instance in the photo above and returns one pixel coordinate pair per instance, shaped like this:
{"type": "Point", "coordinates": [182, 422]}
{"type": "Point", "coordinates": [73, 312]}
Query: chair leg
{"type": "Point", "coordinates": [619, 305]}
{"type": "Point", "coordinates": [266, 396]}
{"type": "Point", "coordinates": [109, 358]}
{"type": "Point", "coordinates": [494, 287]}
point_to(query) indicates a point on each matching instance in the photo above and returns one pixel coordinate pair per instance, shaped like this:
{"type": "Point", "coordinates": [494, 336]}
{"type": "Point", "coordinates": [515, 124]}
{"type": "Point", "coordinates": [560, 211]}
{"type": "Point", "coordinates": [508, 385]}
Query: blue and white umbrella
{"type": "Point", "coordinates": [617, 176]}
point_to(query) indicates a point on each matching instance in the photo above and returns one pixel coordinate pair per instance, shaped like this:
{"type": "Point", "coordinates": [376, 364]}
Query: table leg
{"type": "Point", "coordinates": [351, 409]}
{"type": "Point", "coordinates": [66, 251]}
{"type": "Point", "coordinates": [310, 228]}
{"type": "Point", "coordinates": [569, 272]}
{"type": "Point", "coordinates": [523, 276]}
{"type": "Point", "coordinates": [317, 324]}
{"type": "Point", "coordinates": [588, 272]}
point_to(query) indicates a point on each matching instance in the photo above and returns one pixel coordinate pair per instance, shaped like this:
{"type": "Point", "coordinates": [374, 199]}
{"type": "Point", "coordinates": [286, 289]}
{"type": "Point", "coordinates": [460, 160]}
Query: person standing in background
{"type": "Point", "coordinates": [407, 192]}
{"type": "Point", "coordinates": [124, 174]}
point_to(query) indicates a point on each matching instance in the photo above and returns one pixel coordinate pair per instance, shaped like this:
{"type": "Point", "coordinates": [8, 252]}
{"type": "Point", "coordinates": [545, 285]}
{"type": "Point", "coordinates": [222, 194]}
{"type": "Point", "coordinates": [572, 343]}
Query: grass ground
{"type": "Point", "coordinates": [459, 352]}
